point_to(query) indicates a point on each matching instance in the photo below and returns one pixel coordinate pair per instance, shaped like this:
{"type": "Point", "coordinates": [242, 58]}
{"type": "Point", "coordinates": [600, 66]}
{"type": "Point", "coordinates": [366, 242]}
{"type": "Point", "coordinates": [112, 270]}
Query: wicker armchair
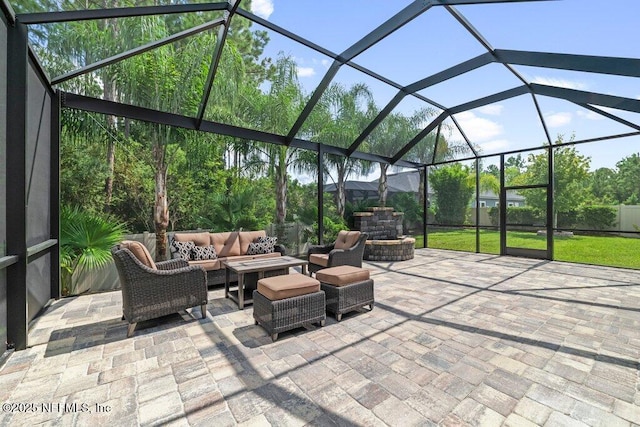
{"type": "Point", "coordinates": [348, 249]}
{"type": "Point", "coordinates": [151, 290]}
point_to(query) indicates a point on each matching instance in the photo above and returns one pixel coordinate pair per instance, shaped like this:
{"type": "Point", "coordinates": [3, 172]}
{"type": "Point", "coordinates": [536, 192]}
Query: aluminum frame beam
{"type": "Point", "coordinates": [101, 106]}
{"type": "Point", "coordinates": [215, 60]}
{"type": "Point", "coordinates": [120, 12]}
{"type": "Point", "coordinates": [431, 126]}
{"type": "Point", "coordinates": [628, 67]}
{"type": "Point", "coordinates": [136, 51]}
{"type": "Point", "coordinates": [611, 116]}
{"type": "Point", "coordinates": [583, 97]}
{"type": "Point", "coordinates": [496, 97]}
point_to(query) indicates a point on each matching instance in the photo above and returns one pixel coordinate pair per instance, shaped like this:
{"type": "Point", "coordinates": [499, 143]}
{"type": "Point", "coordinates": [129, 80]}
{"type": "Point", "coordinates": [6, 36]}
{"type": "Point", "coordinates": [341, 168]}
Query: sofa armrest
{"type": "Point", "coordinates": [280, 248]}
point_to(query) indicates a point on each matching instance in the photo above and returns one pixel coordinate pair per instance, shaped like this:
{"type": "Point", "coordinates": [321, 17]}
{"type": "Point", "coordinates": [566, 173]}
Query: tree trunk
{"type": "Point", "coordinates": [421, 188]}
{"type": "Point", "coordinates": [109, 92]}
{"type": "Point", "coordinates": [383, 185]}
{"type": "Point", "coordinates": [161, 211]}
{"type": "Point", "coordinates": [340, 191]}
{"type": "Point", "coordinates": [281, 193]}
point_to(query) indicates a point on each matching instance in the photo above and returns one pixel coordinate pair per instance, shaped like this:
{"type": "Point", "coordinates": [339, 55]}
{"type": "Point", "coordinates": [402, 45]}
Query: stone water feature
{"type": "Point", "coordinates": [384, 227]}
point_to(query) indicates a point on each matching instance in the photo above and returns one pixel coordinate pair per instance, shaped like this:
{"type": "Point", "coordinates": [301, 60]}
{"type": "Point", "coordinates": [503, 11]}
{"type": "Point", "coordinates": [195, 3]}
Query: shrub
{"type": "Point", "coordinates": [598, 217]}
{"type": "Point", "coordinates": [85, 243]}
{"type": "Point", "coordinates": [525, 215]}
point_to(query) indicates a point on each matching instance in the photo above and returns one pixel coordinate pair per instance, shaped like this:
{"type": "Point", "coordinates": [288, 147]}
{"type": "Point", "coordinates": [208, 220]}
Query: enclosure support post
{"type": "Point", "coordinates": [320, 195]}
{"type": "Point", "coordinates": [477, 206]}
{"type": "Point", "coordinates": [17, 313]}
{"type": "Point", "coordinates": [502, 209]}
{"type": "Point", "coordinates": [425, 206]}
{"type": "Point", "coordinates": [551, 225]}
{"type": "Point", "coordinates": [54, 195]}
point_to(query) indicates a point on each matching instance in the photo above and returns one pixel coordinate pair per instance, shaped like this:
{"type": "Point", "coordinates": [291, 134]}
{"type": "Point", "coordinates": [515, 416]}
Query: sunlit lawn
{"type": "Point", "coordinates": [601, 250]}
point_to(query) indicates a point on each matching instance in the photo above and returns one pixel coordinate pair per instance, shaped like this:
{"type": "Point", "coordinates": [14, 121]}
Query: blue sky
{"type": "Point", "coordinates": [435, 41]}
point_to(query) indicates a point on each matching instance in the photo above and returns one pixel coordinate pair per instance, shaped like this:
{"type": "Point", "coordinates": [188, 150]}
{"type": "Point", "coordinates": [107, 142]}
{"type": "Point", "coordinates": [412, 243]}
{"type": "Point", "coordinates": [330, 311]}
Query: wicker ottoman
{"type": "Point", "coordinates": [287, 302]}
{"type": "Point", "coordinates": [347, 288]}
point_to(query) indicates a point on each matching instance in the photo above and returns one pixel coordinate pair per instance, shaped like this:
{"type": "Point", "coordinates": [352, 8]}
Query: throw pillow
{"type": "Point", "coordinates": [182, 250]}
{"type": "Point", "coordinates": [201, 253]}
{"type": "Point", "coordinates": [262, 245]}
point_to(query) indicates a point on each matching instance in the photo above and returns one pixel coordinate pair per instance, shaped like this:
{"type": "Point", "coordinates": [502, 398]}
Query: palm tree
{"type": "Point", "coordinates": [395, 131]}
{"type": "Point", "coordinates": [85, 243]}
{"type": "Point", "coordinates": [337, 120]}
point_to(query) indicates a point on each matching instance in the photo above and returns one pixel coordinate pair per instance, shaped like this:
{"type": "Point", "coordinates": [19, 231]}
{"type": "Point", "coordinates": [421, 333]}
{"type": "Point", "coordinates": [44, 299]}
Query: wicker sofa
{"type": "Point", "coordinates": [229, 246]}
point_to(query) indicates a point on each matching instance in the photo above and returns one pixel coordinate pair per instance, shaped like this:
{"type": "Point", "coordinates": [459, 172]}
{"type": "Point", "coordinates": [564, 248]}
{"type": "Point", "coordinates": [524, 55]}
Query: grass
{"type": "Point", "coordinates": [611, 251]}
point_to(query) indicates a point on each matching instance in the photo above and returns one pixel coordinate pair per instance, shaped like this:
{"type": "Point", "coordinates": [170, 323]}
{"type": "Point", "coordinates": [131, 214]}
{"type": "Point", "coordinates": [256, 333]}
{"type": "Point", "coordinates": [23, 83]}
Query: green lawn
{"type": "Point", "coordinates": [600, 250]}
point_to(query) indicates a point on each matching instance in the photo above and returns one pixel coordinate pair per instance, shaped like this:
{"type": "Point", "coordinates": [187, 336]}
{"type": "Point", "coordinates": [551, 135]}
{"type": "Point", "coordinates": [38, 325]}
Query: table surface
{"type": "Point", "coordinates": [263, 264]}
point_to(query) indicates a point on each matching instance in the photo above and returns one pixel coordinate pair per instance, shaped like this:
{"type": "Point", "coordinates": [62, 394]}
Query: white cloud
{"type": "Point", "coordinates": [325, 63]}
{"type": "Point", "coordinates": [492, 110]}
{"type": "Point", "coordinates": [262, 8]}
{"type": "Point", "coordinates": [589, 115]}
{"type": "Point", "coordinates": [558, 119]}
{"type": "Point", "coordinates": [494, 145]}
{"type": "Point", "coordinates": [477, 128]}
{"type": "Point", "coordinates": [306, 71]}
{"type": "Point", "coordinates": [569, 84]}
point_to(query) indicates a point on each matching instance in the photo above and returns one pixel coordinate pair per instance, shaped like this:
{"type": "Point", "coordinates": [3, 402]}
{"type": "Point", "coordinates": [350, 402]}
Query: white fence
{"type": "Point", "coordinates": [628, 219]}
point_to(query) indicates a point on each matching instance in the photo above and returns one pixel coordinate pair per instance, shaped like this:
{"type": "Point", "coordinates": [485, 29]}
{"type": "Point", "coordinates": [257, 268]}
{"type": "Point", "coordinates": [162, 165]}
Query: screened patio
{"type": "Point", "coordinates": [505, 333]}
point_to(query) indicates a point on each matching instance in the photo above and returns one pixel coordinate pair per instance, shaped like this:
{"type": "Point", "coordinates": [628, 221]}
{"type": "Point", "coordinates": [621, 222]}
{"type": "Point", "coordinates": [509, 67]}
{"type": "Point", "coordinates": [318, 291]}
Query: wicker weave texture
{"type": "Point", "coordinates": [149, 293]}
{"type": "Point", "coordinates": [342, 299]}
{"type": "Point", "coordinates": [286, 314]}
{"type": "Point", "coordinates": [351, 256]}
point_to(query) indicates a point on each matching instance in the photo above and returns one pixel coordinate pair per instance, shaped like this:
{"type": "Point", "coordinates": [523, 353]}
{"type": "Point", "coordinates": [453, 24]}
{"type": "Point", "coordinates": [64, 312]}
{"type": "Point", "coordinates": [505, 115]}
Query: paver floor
{"type": "Point", "coordinates": [454, 339]}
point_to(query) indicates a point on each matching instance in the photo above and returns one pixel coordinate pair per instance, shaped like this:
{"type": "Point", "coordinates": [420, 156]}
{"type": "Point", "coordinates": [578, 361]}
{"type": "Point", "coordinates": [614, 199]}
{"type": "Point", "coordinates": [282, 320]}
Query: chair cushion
{"type": "Point", "coordinates": [287, 286]}
{"type": "Point", "coordinates": [209, 264]}
{"type": "Point", "coordinates": [346, 239]}
{"type": "Point", "coordinates": [139, 251]}
{"type": "Point", "coordinates": [342, 275]}
{"type": "Point", "coordinates": [319, 259]}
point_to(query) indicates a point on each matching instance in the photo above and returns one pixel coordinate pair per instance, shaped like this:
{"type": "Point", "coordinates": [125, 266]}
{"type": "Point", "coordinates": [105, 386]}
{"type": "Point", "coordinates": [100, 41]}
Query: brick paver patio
{"type": "Point", "coordinates": [454, 339]}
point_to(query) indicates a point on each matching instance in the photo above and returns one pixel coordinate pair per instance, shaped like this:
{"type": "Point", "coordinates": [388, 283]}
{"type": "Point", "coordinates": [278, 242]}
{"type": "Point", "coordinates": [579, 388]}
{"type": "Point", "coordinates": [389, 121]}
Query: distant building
{"type": "Point", "coordinates": [409, 182]}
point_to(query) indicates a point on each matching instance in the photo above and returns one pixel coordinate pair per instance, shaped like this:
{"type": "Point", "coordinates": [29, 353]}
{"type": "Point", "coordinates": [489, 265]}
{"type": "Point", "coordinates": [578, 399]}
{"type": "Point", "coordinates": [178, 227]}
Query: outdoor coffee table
{"type": "Point", "coordinates": [275, 266]}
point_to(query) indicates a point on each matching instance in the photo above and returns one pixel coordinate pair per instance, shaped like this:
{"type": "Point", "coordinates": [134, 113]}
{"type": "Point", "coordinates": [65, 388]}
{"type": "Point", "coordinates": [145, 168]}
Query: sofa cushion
{"type": "Point", "coordinates": [342, 275]}
{"type": "Point", "coordinates": [139, 251]}
{"type": "Point", "coordinates": [287, 286]}
{"type": "Point", "coordinates": [201, 253]}
{"type": "Point", "coordinates": [264, 245]}
{"type": "Point", "coordinates": [226, 244]}
{"type": "Point", "coordinates": [182, 250]}
{"type": "Point", "coordinates": [200, 239]}
{"type": "Point", "coordinates": [319, 259]}
{"type": "Point", "coordinates": [248, 237]}
{"type": "Point", "coordinates": [209, 264]}
{"type": "Point", "coordinates": [346, 239]}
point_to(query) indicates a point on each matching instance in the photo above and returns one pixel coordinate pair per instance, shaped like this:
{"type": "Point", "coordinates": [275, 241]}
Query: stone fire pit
{"type": "Point", "coordinates": [384, 227]}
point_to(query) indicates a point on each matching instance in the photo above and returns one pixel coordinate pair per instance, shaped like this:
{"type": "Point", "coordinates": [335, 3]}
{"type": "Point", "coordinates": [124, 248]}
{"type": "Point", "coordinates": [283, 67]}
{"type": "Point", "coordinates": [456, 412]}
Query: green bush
{"type": "Point", "coordinates": [597, 217]}
{"type": "Point", "coordinates": [86, 239]}
{"type": "Point", "coordinates": [453, 193]}
{"type": "Point", "coordinates": [568, 219]}
{"type": "Point", "coordinates": [524, 215]}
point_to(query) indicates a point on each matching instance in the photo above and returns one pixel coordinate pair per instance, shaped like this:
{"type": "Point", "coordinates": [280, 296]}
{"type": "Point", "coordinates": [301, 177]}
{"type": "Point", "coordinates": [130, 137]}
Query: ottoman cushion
{"type": "Point", "coordinates": [287, 286]}
{"type": "Point", "coordinates": [342, 275]}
